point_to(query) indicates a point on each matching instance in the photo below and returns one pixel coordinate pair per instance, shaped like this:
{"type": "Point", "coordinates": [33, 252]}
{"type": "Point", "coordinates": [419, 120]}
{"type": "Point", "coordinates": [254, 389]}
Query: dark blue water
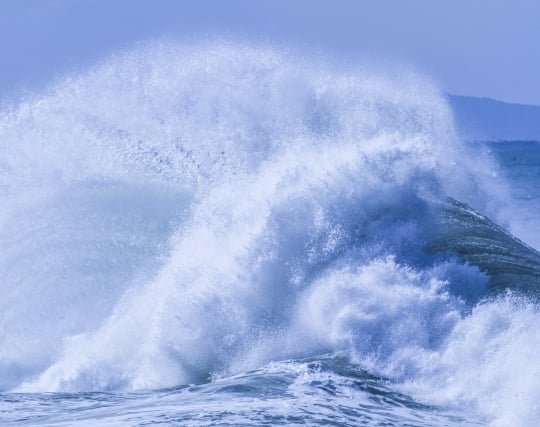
{"type": "Point", "coordinates": [520, 161]}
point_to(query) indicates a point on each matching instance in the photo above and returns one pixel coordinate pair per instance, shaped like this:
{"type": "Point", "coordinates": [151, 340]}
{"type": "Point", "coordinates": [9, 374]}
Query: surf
{"type": "Point", "coordinates": [180, 214]}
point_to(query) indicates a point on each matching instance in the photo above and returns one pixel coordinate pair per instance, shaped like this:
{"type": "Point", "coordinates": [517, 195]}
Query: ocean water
{"type": "Point", "coordinates": [226, 234]}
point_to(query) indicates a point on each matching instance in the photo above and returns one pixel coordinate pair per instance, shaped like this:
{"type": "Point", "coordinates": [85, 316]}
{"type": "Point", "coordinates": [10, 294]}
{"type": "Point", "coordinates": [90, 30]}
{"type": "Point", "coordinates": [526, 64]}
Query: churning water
{"type": "Point", "coordinates": [230, 235]}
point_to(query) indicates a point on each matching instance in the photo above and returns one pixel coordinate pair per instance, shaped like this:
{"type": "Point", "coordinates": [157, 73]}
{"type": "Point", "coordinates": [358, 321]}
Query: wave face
{"type": "Point", "coordinates": [179, 215]}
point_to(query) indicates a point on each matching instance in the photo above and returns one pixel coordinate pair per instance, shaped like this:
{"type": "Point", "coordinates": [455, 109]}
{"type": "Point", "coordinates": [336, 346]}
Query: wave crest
{"type": "Point", "coordinates": [182, 213]}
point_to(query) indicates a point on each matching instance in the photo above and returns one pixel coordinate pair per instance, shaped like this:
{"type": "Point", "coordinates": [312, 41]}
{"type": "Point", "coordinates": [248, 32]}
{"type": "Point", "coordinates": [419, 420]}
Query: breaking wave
{"type": "Point", "coordinates": [182, 214]}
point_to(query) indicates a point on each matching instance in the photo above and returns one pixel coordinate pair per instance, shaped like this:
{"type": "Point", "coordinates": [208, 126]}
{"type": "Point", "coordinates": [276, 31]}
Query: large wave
{"type": "Point", "coordinates": [179, 214]}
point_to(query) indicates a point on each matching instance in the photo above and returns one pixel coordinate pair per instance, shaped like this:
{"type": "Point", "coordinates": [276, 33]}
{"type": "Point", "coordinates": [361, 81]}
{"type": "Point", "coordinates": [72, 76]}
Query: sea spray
{"type": "Point", "coordinates": [182, 214]}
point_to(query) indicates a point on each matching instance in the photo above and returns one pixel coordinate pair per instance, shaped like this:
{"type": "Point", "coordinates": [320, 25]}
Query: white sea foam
{"type": "Point", "coordinates": [179, 214]}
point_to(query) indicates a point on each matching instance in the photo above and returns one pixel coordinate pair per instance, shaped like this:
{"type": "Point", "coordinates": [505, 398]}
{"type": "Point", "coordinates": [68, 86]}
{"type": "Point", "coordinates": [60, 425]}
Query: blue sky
{"type": "Point", "coordinates": [471, 47]}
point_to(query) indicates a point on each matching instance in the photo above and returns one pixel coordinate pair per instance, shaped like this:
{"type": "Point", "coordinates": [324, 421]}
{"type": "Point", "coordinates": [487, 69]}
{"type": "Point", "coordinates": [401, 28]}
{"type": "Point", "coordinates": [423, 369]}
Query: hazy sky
{"type": "Point", "coordinates": [471, 47]}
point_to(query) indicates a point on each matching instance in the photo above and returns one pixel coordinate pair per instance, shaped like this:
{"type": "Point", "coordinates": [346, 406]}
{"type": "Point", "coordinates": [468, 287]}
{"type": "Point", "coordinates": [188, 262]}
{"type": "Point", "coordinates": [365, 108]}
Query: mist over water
{"type": "Point", "coordinates": [178, 215]}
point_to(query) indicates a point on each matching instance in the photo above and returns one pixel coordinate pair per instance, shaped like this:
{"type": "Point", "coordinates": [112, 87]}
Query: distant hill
{"type": "Point", "coordinates": [487, 119]}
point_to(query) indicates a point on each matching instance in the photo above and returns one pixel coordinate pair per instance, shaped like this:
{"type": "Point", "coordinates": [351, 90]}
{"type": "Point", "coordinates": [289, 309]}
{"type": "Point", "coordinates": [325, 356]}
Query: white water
{"type": "Point", "coordinates": [179, 214]}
